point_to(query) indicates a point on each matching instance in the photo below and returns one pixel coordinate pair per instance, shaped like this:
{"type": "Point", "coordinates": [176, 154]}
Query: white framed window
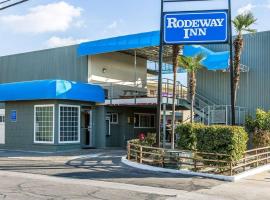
{"type": "Point", "coordinates": [44, 124]}
{"type": "Point", "coordinates": [113, 118]}
{"type": "Point", "coordinates": [2, 119]}
{"type": "Point", "coordinates": [69, 124]}
{"type": "Point", "coordinates": [144, 120]}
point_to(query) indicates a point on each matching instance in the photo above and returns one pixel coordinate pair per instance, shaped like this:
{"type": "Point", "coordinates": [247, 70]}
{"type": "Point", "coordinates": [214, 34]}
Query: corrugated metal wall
{"type": "Point", "coordinates": [58, 63]}
{"type": "Point", "coordinates": [254, 88]}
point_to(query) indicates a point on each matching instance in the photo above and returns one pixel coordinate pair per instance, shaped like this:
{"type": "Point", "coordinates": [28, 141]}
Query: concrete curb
{"type": "Point", "coordinates": [187, 172]}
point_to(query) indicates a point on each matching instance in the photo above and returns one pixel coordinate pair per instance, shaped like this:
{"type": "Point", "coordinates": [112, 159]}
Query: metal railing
{"type": "Point", "coordinates": [143, 89]}
{"type": "Point", "coordinates": [221, 114]}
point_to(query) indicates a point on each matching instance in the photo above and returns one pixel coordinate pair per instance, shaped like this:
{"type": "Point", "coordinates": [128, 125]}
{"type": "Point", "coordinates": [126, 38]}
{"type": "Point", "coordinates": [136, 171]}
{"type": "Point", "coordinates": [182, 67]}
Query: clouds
{"type": "Point", "coordinates": [58, 41]}
{"type": "Point", "coordinates": [246, 8]}
{"type": "Point", "coordinates": [251, 6]}
{"type": "Point", "coordinates": [114, 28]}
{"type": "Point", "coordinates": [54, 17]}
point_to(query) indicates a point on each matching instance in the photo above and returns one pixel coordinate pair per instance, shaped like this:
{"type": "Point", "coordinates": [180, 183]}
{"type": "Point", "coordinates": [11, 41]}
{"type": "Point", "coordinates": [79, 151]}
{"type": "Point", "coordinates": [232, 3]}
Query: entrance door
{"type": "Point", "coordinates": [2, 126]}
{"type": "Point", "coordinates": [88, 128]}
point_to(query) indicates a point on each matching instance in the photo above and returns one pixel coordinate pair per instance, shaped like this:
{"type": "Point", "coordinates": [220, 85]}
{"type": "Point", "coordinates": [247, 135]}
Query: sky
{"type": "Point", "coordinates": [42, 24]}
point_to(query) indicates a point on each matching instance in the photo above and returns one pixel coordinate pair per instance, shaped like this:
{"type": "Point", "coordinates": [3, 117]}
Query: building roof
{"type": "Point", "coordinates": [146, 46]}
{"type": "Point", "coordinates": [51, 89]}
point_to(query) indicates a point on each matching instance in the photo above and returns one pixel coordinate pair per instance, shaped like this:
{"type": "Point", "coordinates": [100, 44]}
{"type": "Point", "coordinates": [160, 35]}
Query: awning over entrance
{"type": "Point", "coordinates": [51, 89]}
{"type": "Point", "coordinates": [146, 46]}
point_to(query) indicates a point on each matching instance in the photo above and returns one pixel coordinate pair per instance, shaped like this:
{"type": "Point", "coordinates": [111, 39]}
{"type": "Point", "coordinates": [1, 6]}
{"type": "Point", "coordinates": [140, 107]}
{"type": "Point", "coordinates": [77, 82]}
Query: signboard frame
{"type": "Point", "coordinates": [229, 42]}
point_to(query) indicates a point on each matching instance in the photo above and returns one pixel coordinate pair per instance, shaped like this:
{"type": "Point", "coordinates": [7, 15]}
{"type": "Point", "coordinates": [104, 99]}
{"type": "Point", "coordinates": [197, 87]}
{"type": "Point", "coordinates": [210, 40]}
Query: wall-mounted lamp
{"type": "Point", "coordinates": [104, 70]}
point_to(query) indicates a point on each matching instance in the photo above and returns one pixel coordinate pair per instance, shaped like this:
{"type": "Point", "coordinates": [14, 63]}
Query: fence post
{"type": "Point", "coordinates": [244, 162]}
{"type": "Point", "coordinates": [163, 157]}
{"type": "Point", "coordinates": [195, 161]}
{"type": "Point", "coordinates": [231, 168]}
{"type": "Point", "coordinates": [141, 154]}
{"type": "Point", "coordinates": [267, 155]}
{"type": "Point", "coordinates": [257, 158]}
{"type": "Point", "coordinates": [128, 151]}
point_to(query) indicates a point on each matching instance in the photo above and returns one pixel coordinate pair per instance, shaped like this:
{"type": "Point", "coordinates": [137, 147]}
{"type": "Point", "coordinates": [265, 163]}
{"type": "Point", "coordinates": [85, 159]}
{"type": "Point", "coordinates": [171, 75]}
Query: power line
{"type": "Point", "coordinates": [11, 5]}
{"type": "Point", "coordinates": [5, 1]}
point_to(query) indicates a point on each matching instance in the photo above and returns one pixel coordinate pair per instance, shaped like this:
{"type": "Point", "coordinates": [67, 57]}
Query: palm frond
{"type": "Point", "coordinates": [191, 64]}
{"type": "Point", "coordinates": [242, 22]}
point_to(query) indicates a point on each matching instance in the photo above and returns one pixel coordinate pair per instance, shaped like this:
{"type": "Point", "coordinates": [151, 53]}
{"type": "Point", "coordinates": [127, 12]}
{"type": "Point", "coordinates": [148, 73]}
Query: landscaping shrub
{"type": "Point", "coordinates": [148, 140]}
{"type": "Point", "coordinates": [259, 128]}
{"type": "Point", "coordinates": [261, 138]}
{"type": "Point", "coordinates": [230, 140]}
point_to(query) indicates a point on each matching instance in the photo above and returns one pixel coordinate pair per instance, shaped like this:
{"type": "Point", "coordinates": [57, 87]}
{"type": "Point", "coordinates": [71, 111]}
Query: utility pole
{"type": "Point", "coordinates": [159, 98]}
{"type": "Point", "coordinates": [231, 63]}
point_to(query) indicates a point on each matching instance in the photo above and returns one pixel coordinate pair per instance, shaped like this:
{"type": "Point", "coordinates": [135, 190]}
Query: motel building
{"type": "Point", "coordinates": [103, 93]}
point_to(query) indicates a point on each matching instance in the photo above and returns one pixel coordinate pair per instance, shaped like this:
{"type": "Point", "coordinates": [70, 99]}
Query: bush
{"type": "Point", "coordinates": [230, 140]}
{"type": "Point", "coordinates": [149, 140]}
{"type": "Point", "coordinates": [261, 138]}
{"type": "Point", "coordinates": [259, 128]}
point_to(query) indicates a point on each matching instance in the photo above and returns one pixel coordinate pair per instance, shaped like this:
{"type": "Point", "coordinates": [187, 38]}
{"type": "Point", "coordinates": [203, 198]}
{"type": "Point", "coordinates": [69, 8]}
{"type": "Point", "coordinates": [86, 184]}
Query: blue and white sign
{"type": "Point", "coordinates": [196, 27]}
{"type": "Point", "coordinates": [13, 116]}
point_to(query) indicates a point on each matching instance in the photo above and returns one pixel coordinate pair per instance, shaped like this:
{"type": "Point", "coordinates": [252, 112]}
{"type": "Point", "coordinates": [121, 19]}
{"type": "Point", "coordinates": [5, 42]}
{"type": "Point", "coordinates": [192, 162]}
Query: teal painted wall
{"type": "Point", "coordinates": [254, 87]}
{"type": "Point", "coordinates": [57, 63]}
{"type": "Point", "coordinates": [20, 134]}
{"type": "Point", "coordinates": [124, 131]}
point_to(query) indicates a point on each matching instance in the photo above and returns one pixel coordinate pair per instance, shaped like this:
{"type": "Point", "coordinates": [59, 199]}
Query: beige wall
{"type": "Point", "coordinates": [119, 66]}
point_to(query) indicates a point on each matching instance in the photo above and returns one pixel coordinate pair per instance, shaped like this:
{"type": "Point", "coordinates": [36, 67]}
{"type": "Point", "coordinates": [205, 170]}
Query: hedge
{"type": "Point", "coordinates": [230, 140]}
{"type": "Point", "coordinates": [259, 128]}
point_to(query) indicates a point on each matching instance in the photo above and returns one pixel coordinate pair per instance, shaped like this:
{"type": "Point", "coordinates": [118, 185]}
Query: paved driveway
{"type": "Point", "coordinates": [98, 165]}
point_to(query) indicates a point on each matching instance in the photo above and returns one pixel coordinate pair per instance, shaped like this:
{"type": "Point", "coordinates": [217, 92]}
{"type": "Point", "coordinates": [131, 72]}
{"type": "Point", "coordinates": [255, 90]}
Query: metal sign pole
{"type": "Point", "coordinates": [231, 64]}
{"type": "Point", "coordinates": [159, 98]}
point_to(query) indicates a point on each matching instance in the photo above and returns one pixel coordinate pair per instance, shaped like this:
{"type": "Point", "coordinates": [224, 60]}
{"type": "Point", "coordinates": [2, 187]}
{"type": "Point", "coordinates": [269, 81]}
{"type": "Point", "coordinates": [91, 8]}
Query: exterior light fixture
{"type": "Point", "coordinates": [104, 70]}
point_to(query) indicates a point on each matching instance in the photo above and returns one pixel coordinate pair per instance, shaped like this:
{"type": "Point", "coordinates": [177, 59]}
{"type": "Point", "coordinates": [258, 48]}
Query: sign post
{"type": "Point", "coordinates": [160, 62]}
{"type": "Point", "coordinates": [185, 22]}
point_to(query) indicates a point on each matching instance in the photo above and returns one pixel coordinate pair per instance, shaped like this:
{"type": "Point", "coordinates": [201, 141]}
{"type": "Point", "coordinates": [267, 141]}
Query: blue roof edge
{"type": "Point", "coordinates": [51, 90]}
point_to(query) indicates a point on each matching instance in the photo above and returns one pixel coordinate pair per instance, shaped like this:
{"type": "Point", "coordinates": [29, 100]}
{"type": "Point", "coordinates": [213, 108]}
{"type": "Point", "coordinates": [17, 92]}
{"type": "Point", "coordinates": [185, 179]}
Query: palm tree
{"type": "Point", "coordinates": [191, 64]}
{"type": "Point", "coordinates": [175, 54]}
{"type": "Point", "coordinates": [242, 23]}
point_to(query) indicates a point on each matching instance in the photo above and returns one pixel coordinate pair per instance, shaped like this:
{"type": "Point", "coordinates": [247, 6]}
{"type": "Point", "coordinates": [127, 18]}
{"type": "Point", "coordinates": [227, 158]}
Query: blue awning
{"type": "Point", "coordinates": [51, 89]}
{"type": "Point", "coordinates": [135, 41]}
{"type": "Point", "coordinates": [213, 60]}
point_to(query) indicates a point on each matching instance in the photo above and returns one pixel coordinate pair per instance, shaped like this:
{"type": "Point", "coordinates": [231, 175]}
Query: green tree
{"type": "Point", "coordinates": [241, 23]}
{"type": "Point", "coordinates": [191, 64]}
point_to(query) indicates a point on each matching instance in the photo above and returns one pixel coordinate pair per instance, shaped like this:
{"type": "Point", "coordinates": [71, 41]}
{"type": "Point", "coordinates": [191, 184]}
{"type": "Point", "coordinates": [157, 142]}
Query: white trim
{"type": "Point", "coordinates": [2, 127]}
{"type": "Point", "coordinates": [113, 113]}
{"type": "Point", "coordinates": [43, 105]}
{"type": "Point", "coordinates": [174, 171]}
{"type": "Point", "coordinates": [79, 124]}
{"type": "Point", "coordinates": [145, 114]}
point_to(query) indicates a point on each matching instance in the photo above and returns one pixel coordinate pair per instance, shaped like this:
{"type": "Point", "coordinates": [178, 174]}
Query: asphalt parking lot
{"type": "Point", "coordinates": [102, 165]}
{"type": "Point", "coordinates": [99, 174]}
